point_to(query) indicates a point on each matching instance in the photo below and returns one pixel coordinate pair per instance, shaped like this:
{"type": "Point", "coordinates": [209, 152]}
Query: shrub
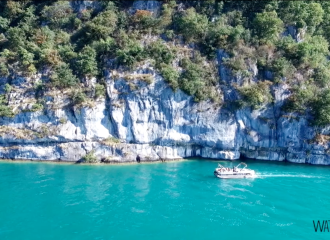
{"type": "Point", "coordinates": [197, 79]}
{"type": "Point", "coordinates": [170, 75]}
{"type": "Point", "coordinates": [16, 37]}
{"type": "Point", "coordinates": [268, 26]}
{"type": "Point", "coordinates": [301, 98]}
{"type": "Point", "coordinates": [221, 34]}
{"type": "Point", "coordinates": [4, 23]}
{"type": "Point", "coordinates": [131, 54]}
{"type": "Point", "coordinates": [144, 21]}
{"type": "Point", "coordinates": [26, 57]}
{"type": "Point", "coordinates": [321, 109]}
{"type": "Point", "coordinates": [50, 57]}
{"type": "Point", "coordinates": [86, 64]}
{"type": "Point", "coordinates": [7, 88]}
{"type": "Point", "coordinates": [322, 76]}
{"type": "Point", "coordinates": [5, 110]}
{"type": "Point", "coordinates": [313, 51]}
{"type": "Point", "coordinates": [4, 72]}
{"type": "Point", "coordinates": [160, 53]}
{"type": "Point", "coordinates": [78, 97]}
{"type": "Point", "coordinates": [67, 53]}
{"type": "Point", "coordinates": [63, 120]}
{"type": "Point", "coordinates": [104, 47]}
{"type": "Point", "coordinates": [57, 14]}
{"type": "Point", "coordinates": [101, 26]}
{"type": "Point", "coordinates": [191, 25]}
{"type": "Point", "coordinates": [62, 77]}
{"type": "Point", "coordinates": [282, 68]}
{"type": "Point", "coordinates": [302, 14]}
{"type": "Point", "coordinates": [256, 95]}
{"type": "Point", "coordinates": [110, 141]}
{"type": "Point", "coordinates": [99, 90]}
{"type": "Point", "coordinates": [37, 107]}
{"type": "Point", "coordinates": [90, 157]}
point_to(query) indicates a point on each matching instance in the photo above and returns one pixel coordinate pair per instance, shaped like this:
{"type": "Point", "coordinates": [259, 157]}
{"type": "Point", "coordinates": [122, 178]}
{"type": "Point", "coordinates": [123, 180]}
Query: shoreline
{"type": "Point", "coordinates": [93, 164]}
{"type": "Point", "coordinates": [61, 162]}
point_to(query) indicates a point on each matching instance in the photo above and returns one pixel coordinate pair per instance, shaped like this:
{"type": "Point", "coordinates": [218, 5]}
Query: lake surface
{"type": "Point", "coordinates": [174, 200]}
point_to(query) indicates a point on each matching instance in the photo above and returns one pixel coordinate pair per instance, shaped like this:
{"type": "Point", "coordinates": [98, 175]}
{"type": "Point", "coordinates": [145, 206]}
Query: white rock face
{"type": "Point", "coordinates": [158, 124]}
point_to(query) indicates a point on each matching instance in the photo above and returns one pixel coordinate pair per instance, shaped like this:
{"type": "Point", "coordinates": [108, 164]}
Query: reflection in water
{"type": "Point", "coordinates": [141, 179]}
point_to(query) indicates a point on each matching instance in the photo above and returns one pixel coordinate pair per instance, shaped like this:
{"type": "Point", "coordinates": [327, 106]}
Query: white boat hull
{"type": "Point", "coordinates": [227, 176]}
{"type": "Point", "coordinates": [234, 173]}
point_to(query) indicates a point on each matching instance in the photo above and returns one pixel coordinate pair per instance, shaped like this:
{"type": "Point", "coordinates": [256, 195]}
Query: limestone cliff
{"type": "Point", "coordinates": [156, 123]}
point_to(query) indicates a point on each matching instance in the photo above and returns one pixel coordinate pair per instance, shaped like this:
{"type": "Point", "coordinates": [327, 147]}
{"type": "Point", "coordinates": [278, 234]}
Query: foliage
{"type": "Point", "coordinates": [131, 54]}
{"type": "Point", "coordinates": [101, 26]}
{"type": "Point", "coordinates": [322, 76]}
{"type": "Point", "coordinates": [110, 141]}
{"type": "Point", "coordinates": [256, 95]}
{"type": "Point", "coordinates": [51, 39]}
{"type": "Point", "coordinates": [197, 79]}
{"type": "Point", "coordinates": [170, 75]}
{"type": "Point", "coordinates": [321, 108]}
{"type": "Point", "coordinates": [302, 13]}
{"type": "Point", "coordinates": [7, 88]}
{"type": "Point", "coordinates": [58, 14]}
{"type": "Point", "coordinates": [78, 97]}
{"type": "Point", "coordinates": [268, 26]}
{"type": "Point", "coordinates": [191, 25]}
{"type": "Point", "coordinates": [62, 77]}
{"type": "Point", "coordinates": [160, 52]}
{"type": "Point", "coordinates": [5, 110]}
{"type": "Point", "coordinates": [282, 68]}
{"type": "Point", "coordinates": [99, 90]}
{"type": "Point", "coordinates": [313, 51]}
{"type": "Point", "coordinates": [90, 157]}
{"type": "Point", "coordinates": [144, 21]}
{"type": "Point", "coordinates": [37, 107]}
{"type": "Point", "coordinates": [86, 64]}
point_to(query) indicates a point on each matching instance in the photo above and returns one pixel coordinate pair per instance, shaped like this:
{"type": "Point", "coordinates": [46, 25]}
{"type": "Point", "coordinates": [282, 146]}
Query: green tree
{"type": "Point", "coordinates": [170, 75]}
{"type": "Point", "coordinates": [62, 77]}
{"type": "Point", "coordinates": [16, 37]}
{"type": "Point", "coordinates": [5, 110]}
{"type": "Point", "coordinates": [58, 14]}
{"type": "Point", "coordinates": [101, 26]}
{"type": "Point", "coordinates": [282, 68]}
{"type": "Point", "coordinates": [191, 25]}
{"type": "Point", "coordinates": [322, 76]}
{"type": "Point", "coordinates": [302, 13]}
{"type": "Point", "coordinates": [321, 108]}
{"type": "Point", "coordinates": [130, 54]}
{"type": "Point", "coordinates": [4, 23]}
{"type": "Point", "coordinates": [160, 52]}
{"type": "Point", "coordinates": [256, 95]}
{"type": "Point", "coordinates": [312, 52]}
{"type": "Point", "coordinates": [86, 62]}
{"type": "Point", "coordinates": [268, 26]}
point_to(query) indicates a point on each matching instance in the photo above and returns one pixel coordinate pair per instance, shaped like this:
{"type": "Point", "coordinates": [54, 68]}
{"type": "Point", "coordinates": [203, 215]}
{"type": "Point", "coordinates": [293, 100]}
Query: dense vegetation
{"type": "Point", "coordinates": [74, 46]}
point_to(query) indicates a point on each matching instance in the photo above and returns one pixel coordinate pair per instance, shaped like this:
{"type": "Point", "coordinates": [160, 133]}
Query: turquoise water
{"type": "Point", "coordinates": [176, 200]}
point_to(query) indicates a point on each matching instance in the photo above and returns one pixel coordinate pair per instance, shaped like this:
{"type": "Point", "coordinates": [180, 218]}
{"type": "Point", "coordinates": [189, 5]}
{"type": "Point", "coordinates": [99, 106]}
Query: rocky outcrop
{"type": "Point", "coordinates": [156, 123]}
{"type": "Point", "coordinates": [151, 6]}
{"type": "Point", "coordinates": [152, 121]}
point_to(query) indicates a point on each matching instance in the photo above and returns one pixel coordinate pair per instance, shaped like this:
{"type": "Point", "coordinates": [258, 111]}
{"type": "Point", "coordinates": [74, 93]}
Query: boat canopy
{"type": "Point", "coordinates": [242, 163]}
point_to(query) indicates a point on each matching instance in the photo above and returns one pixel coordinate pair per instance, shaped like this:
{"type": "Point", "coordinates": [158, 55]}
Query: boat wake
{"type": "Point", "coordinates": [286, 175]}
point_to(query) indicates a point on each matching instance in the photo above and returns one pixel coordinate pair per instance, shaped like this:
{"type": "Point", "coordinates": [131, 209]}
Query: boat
{"type": "Point", "coordinates": [235, 172]}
